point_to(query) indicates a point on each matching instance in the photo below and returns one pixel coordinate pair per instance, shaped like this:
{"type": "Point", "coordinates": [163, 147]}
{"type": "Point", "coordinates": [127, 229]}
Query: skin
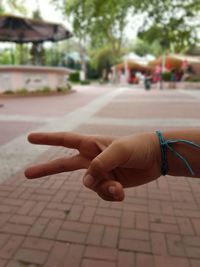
{"type": "Point", "coordinates": [111, 164]}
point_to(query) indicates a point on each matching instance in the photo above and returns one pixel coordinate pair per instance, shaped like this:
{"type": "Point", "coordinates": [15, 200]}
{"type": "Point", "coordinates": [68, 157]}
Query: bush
{"type": "Point", "coordinates": [22, 91]}
{"type": "Point", "coordinates": [193, 78]}
{"type": "Point", "coordinates": [86, 82]}
{"type": "Point", "coordinates": [102, 81]}
{"type": "Point", "coordinates": [8, 92]}
{"type": "Point", "coordinates": [46, 89]}
{"type": "Point", "coordinates": [166, 76]}
{"type": "Point", "coordinates": [74, 77]}
{"type": "Point", "coordinates": [63, 89]}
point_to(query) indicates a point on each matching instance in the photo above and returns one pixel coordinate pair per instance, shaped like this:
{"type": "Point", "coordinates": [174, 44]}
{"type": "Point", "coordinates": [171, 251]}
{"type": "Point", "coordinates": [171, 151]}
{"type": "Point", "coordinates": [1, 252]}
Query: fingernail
{"type": "Point", "coordinates": [112, 190]}
{"type": "Point", "coordinates": [88, 180]}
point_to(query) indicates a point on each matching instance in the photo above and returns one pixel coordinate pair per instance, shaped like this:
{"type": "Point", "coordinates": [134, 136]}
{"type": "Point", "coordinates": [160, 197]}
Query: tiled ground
{"type": "Point", "coordinates": [56, 222]}
{"type": "Point", "coordinates": [55, 105]}
{"type": "Point", "coordinates": [13, 129]}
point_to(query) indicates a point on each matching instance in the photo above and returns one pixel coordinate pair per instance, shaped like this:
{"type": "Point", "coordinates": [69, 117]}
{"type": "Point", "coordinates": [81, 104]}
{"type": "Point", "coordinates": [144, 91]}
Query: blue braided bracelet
{"type": "Point", "coordinates": [165, 144]}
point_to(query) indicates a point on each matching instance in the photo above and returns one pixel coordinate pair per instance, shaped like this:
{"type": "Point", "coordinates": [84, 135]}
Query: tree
{"type": "Point", "coordinates": [13, 5]}
{"type": "Point", "coordinates": [110, 19]}
{"type": "Point", "coordinates": [98, 23]}
{"type": "Point", "coordinates": [175, 23]}
{"type": "Point", "coordinates": [170, 24]}
{"type": "Point", "coordinates": [79, 12]}
{"type": "Point", "coordinates": [2, 10]}
{"type": "Point", "coordinates": [8, 56]}
{"type": "Point", "coordinates": [102, 60]}
{"type": "Point", "coordinates": [142, 47]}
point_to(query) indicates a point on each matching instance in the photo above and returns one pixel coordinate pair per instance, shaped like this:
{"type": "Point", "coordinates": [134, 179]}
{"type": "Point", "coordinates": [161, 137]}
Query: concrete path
{"type": "Point", "coordinates": [56, 222]}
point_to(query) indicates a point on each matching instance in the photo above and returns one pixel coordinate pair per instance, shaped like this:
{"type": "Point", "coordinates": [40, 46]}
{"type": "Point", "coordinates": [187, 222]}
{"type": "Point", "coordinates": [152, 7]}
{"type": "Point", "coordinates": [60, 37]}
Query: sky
{"type": "Point", "coordinates": [47, 10]}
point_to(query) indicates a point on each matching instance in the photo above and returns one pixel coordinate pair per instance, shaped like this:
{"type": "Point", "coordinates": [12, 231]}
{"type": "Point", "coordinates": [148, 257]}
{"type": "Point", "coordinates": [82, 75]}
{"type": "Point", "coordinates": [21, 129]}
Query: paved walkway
{"type": "Point", "coordinates": [56, 222]}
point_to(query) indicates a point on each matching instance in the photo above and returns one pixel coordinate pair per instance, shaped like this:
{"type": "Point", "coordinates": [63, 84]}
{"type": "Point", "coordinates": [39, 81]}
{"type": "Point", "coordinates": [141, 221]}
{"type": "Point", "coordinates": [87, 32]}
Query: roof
{"type": "Point", "coordinates": [176, 61]}
{"type": "Point", "coordinates": [133, 66]}
{"type": "Point", "coordinates": [24, 30]}
{"type": "Point", "coordinates": [138, 59]}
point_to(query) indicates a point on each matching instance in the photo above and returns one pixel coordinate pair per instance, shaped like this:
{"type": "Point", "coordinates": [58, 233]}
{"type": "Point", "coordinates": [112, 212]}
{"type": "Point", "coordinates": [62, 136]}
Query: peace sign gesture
{"type": "Point", "coordinates": [111, 164]}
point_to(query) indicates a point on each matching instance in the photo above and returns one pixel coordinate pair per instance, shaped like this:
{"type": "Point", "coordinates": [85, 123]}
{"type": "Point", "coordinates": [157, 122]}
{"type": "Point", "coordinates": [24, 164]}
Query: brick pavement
{"type": "Point", "coordinates": [56, 222]}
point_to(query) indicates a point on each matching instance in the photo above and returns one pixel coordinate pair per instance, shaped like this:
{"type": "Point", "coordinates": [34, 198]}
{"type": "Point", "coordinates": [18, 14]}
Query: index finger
{"type": "Point", "coordinates": [66, 139]}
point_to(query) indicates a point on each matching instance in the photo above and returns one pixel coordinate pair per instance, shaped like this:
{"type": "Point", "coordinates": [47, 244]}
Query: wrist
{"type": "Point", "coordinates": [179, 153]}
{"type": "Point", "coordinates": [157, 153]}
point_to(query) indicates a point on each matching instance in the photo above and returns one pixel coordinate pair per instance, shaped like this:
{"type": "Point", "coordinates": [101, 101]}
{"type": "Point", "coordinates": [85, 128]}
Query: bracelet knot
{"type": "Point", "coordinates": [166, 144]}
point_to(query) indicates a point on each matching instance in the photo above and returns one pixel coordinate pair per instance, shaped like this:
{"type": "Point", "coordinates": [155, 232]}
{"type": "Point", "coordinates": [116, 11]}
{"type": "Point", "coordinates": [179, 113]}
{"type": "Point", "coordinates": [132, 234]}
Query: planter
{"type": "Point", "coordinates": [32, 78]}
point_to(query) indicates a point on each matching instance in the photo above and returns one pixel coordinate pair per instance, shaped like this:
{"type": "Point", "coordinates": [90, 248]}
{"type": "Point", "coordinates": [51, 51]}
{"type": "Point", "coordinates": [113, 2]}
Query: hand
{"type": "Point", "coordinates": [112, 164]}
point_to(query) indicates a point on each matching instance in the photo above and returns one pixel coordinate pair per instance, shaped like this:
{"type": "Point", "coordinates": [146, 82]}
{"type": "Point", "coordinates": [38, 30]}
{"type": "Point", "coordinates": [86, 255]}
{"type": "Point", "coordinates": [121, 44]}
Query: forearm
{"type": "Point", "coordinates": [176, 166]}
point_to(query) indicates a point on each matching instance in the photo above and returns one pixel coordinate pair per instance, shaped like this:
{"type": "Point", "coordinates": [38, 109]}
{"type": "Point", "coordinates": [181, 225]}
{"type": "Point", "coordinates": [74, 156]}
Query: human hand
{"type": "Point", "coordinates": [112, 164]}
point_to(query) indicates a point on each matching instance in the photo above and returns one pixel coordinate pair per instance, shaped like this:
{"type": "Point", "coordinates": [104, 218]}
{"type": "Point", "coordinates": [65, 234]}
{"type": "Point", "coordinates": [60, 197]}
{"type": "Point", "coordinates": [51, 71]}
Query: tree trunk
{"type": "Point", "coordinates": [83, 75]}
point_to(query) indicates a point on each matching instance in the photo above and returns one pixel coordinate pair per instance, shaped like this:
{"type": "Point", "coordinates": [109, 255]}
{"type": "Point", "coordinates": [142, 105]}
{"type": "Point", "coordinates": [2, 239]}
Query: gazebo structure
{"type": "Point", "coordinates": [22, 30]}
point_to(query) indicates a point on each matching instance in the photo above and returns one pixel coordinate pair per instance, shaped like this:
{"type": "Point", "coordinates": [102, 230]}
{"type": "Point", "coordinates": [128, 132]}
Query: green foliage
{"type": "Point", "coordinates": [15, 55]}
{"type": "Point", "coordinates": [109, 20]}
{"type": "Point", "coordinates": [22, 91]}
{"type": "Point", "coordinates": [64, 89]}
{"type": "Point", "coordinates": [8, 92]}
{"type": "Point", "coordinates": [46, 90]}
{"type": "Point", "coordinates": [102, 22]}
{"type": "Point", "coordinates": [166, 76]}
{"type": "Point", "coordinates": [74, 77]}
{"type": "Point", "coordinates": [86, 82]}
{"type": "Point", "coordinates": [174, 23]}
{"type": "Point", "coordinates": [193, 78]}
{"type": "Point", "coordinates": [143, 47]}
{"type": "Point", "coordinates": [169, 24]}
{"type": "Point", "coordinates": [5, 57]}
{"type": "Point", "coordinates": [92, 72]}
{"type": "Point", "coordinates": [2, 10]}
{"type": "Point", "coordinates": [37, 15]}
{"type": "Point", "coordinates": [14, 5]}
{"type": "Point", "coordinates": [51, 56]}
{"type": "Point", "coordinates": [102, 59]}
{"type": "Point", "coordinates": [22, 54]}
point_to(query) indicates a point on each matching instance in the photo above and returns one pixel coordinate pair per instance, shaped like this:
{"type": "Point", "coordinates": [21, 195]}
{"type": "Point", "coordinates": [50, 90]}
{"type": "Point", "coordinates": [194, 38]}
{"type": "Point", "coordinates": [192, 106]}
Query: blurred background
{"type": "Point", "coordinates": [114, 39]}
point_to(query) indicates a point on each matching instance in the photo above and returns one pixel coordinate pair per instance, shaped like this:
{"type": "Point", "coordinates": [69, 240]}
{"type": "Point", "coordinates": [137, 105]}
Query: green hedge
{"type": "Point", "coordinates": [166, 76]}
{"type": "Point", "coordinates": [86, 82]}
{"type": "Point", "coordinates": [74, 77]}
{"type": "Point", "coordinates": [194, 78]}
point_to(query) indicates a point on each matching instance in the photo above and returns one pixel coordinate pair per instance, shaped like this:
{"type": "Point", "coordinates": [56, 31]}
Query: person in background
{"type": "Point", "coordinates": [173, 79]}
{"type": "Point", "coordinates": [147, 80]}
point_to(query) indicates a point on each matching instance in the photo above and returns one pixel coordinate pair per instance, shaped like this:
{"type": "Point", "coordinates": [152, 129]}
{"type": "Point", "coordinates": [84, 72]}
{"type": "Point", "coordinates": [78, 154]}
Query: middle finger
{"type": "Point", "coordinates": [57, 166]}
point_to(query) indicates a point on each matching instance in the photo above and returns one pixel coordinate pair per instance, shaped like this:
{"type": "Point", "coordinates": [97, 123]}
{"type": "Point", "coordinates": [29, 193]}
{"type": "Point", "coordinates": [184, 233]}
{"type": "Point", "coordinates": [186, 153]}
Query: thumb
{"type": "Point", "coordinates": [100, 169]}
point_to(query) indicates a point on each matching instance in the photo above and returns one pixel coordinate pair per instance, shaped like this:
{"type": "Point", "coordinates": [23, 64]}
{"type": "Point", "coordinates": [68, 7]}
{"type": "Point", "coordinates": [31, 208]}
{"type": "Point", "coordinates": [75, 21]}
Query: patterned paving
{"type": "Point", "coordinates": [56, 222]}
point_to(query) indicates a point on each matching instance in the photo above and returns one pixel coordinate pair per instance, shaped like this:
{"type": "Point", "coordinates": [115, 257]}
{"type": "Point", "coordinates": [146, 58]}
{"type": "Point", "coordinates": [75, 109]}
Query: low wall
{"type": "Point", "coordinates": [183, 85]}
{"type": "Point", "coordinates": [32, 78]}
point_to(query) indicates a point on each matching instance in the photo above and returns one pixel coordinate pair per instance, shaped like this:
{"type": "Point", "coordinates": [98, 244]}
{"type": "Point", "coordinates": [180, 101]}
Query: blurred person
{"type": "Point", "coordinates": [147, 81]}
